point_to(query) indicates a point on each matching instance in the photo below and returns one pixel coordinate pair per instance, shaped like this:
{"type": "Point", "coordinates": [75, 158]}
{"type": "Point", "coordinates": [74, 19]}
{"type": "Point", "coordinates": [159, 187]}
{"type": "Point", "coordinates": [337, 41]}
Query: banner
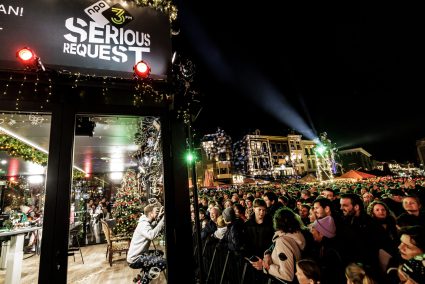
{"type": "Point", "coordinates": [104, 38]}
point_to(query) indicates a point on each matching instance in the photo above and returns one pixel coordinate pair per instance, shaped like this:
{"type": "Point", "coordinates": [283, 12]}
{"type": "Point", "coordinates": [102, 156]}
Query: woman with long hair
{"type": "Point", "coordinates": [382, 215]}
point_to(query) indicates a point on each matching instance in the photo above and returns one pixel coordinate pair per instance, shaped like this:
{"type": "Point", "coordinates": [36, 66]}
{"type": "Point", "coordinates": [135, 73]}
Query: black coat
{"type": "Point", "coordinates": [258, 237]}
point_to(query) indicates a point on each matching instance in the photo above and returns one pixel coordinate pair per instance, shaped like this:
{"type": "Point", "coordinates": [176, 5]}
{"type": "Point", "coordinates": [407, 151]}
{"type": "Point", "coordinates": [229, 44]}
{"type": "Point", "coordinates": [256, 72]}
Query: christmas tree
{"type": "Point", "coordinates": [128, 205]}
{"type": "Point", "coordinates": [325, 152]}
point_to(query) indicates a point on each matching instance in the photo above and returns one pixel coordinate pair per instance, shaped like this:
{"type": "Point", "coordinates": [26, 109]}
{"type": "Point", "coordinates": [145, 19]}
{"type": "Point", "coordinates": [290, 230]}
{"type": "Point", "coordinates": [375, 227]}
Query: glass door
{"type": "Point", "coordinates": [117, 227]}
{"type": "Point", "coordinates": [24, 149]}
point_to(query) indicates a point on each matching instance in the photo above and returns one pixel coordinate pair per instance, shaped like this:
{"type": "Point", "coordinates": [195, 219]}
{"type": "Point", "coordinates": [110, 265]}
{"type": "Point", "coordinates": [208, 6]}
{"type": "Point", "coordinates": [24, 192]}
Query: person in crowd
{"type": "Point", "coordinates": [233, 238]}
{"type": "Point", "coordinates": [211, 224]}
{"type": "Point", "coordinates": [105, 213]}
{"type": "Point", "coordinates": [203, 203]}
{"type": "Point", "coordinates": [258, 230]}
{"type": "Point", "coordinates": [382, 215]}
{"type": "Point", "coordinates": [307, 272]}
{"type": "Point", "coordinates": [221, 228]}
{"type": "Point", "coordinates": [413, 214]}
{"type": "Point", "coordinates": [228, 203]}
{"type": "Point", "coordinates": [359, 232]}
{"type": "Point", "coordinates": [367, 198]}
{"type": "Point", "coordinates": [356, 274]}
{"type": "Point", "coordinates": [239, 211]}
{"type": "Point", "coordinates": [148, 228]}
{"type": "Point", "coordinates": [249, 209]}
{"type": "Point", "coordinates": [412, 242]}
{"type": "Point", "coordinates": [235, 198]}
{"type": "Point", "coordinates": [89, 204]}
{"type": "Point", "coordinates": [288, 244]}
{"type": "Point", "coordinates": [211, 204]}
{"type": "Point", "coordinates": [413, 271]}
{"type": "Point", "coordinates": [203, 217]}
{"type": "Point", "coordinates": [394, 201]}
{"type": "Point", "coordinates": [306, 197]}
{"type": "Point", "coordinates": [322, 207]}
{"type": "Point", "coordinates": [304, 212]}
{"type": "Point", "coordinates": [330, 194]}
{"type": "Point", "coordinates": [311, 216]}
{"type": "Point", "coordinates": [271, 201]}
{"type": "Point", "coordinates": [326, 251]}
{"type": "Point", "coordinates": [95, 224]}
{"type": "Point", "coordinates": [283, 199]}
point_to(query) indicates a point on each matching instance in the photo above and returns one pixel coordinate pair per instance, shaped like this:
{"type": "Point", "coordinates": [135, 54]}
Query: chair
{"type": "Point", "coordinates": [73, 234]}
{"type": "Point", "coordinates": [115, 244]}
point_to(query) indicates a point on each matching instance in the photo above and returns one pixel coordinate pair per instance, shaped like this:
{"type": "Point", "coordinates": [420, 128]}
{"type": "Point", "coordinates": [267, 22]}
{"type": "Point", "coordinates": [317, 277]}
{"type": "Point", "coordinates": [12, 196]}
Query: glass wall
{"type": "Point", "coordinates": [117, 225]}
{"type": "Point", "coordinates": [24, 146]}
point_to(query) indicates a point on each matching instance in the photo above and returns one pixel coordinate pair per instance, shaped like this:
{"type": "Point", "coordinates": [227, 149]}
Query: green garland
{"type": "Point", "coordinates": [164, 6]}
{"type": "Point", "coordinates": [16, 148]}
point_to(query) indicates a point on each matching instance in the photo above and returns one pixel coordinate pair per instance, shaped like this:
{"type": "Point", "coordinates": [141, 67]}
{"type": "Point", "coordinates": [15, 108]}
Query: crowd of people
{"type": "Point", "coordinates": [370, 231]}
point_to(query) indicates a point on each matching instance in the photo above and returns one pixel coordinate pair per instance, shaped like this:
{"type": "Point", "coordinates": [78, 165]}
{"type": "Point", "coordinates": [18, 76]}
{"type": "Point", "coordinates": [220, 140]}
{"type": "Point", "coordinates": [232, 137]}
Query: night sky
{"type": "Point", "coordinates": [358, 78]}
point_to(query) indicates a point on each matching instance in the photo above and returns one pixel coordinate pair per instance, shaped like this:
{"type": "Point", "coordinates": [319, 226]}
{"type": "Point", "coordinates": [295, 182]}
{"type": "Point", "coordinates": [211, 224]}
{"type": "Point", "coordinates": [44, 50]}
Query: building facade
{"type": "Point", "coordinates": [216, 159]}
{"type": "Point", "coordinates": [356, 158]}
{"type": "Point", "coordinates": [257, 155]}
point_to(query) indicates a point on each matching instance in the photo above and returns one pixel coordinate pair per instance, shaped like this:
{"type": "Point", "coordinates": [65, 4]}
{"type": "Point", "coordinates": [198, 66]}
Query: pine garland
{"type": "Point", "coordinates": [18, 149]}
{"type": "Point", "coordinates": [164, 6]}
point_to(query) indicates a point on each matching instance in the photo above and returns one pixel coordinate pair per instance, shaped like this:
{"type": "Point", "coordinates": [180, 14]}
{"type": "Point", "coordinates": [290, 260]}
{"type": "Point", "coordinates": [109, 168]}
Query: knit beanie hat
{"type": "Point", "coordinates": [326, 226]}
{"type": "Point", "coordinates": [229, 214]}
{"type": "Point", "coordinates": [415, 268]}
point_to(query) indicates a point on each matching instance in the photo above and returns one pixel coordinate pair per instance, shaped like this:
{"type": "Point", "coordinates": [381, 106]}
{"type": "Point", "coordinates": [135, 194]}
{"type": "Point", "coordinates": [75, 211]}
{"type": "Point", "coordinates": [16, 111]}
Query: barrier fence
{"type": "Point", "coordinates": [223, 266]}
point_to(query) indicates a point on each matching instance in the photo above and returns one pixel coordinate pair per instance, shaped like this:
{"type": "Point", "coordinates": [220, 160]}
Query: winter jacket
{"type": "Point", "coordinates": [286, 252]}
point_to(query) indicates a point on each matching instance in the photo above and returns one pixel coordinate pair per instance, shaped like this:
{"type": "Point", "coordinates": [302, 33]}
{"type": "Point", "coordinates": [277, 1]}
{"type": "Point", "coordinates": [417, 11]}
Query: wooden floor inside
{"type": "Point", "coordinates": [95, 269]}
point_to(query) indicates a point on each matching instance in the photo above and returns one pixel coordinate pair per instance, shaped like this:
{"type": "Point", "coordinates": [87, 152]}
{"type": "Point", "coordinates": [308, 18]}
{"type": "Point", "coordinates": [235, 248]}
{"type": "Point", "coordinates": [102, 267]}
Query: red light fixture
{"type": "Point", "coordinates": [29, 59]}
{"type": "Point", "coordinates": [141, 69]}
{"type": "Point", "coordinates": [26, 55]}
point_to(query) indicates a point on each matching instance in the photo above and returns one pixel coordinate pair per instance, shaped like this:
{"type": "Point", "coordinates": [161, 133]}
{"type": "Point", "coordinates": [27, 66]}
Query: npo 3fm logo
{"type": "Point", "coordinates": [103, 14]}
{"type": "Point", "coordinates": [104, 37]}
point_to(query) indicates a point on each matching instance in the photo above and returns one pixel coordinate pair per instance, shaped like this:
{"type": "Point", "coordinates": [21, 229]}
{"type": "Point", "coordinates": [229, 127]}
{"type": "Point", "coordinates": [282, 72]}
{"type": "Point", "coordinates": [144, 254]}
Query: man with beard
{"type": "Point", "coordinates": [359, 233]}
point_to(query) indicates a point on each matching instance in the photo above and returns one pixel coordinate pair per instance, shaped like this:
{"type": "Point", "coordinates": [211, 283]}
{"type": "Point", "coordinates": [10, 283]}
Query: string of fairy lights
{"type": "Point", "coordinates": [325, 157]}
{"type": "Point", "coordinates": [43, 83]}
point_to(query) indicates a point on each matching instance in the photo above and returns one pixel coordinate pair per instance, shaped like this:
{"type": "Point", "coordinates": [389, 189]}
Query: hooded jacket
{"type": "Point", "coordinates": [145, 232]}
{"type": "Point", "coordinates": [286, 252]}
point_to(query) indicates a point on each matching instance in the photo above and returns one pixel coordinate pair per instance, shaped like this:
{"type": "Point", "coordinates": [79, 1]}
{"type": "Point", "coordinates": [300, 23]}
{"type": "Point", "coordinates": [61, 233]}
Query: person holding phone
{"type": "Point", "coordinates": [288, 243]}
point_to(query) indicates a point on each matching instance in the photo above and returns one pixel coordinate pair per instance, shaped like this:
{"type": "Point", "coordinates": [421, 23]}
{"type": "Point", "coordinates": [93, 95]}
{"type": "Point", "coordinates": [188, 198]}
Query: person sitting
{"type": "Point", "coordinates": [139, 255]}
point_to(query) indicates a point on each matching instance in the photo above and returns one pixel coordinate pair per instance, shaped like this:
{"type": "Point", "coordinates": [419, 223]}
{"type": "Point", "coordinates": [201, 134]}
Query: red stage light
{"type": "Point", "coordinates": [28, 58]}
{"type": "Point", "coordinates": [26, 55]}
{"type": "Point", "coordinates": [142, 69]}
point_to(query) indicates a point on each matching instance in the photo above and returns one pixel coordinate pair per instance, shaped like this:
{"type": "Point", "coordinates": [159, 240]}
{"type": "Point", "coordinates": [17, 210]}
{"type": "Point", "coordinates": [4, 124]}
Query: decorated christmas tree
{"type": "Point", "coordinates": [325, 152]}
{"type": "Point", "coordinates": [128, 206]}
